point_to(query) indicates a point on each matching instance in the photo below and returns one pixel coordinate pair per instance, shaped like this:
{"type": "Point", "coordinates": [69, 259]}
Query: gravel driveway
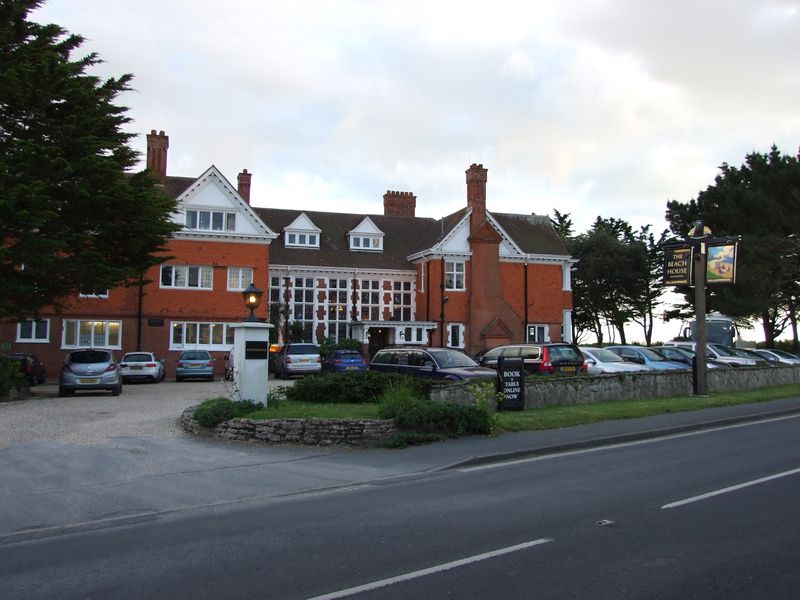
{"type": "Point", "coordinates": [92, 418]}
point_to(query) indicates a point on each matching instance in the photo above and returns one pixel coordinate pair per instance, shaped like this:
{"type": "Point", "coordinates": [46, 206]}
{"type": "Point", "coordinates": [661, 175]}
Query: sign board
{"type": "Point", "coordinates": [256, 350]}
{"type": "Point", "coordinates": [678, 265]}
{"type": "Point", "coordinates": [721, 263]}
{"type": "Point", "coordinates": [511, 383]}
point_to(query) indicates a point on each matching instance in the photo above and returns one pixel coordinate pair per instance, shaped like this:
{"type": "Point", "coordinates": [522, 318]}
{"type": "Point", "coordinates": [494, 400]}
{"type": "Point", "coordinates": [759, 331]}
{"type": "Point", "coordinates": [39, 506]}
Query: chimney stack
{"type": "Point", "coordinates": [243, 181]}
{"type": "Point", "coordinates": [157, 146]}
{"type": "Point", "coordinates": [476, 195]}
{"type": "Point", "coordinates": [399, 204]}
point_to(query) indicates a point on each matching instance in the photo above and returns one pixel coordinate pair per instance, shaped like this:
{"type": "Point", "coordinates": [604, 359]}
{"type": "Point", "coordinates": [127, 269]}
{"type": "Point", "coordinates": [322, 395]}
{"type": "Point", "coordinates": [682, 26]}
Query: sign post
{"type": "Point", "coordinates": [511, 383]}
{"type": "Point", "coordinates": [698, 260]}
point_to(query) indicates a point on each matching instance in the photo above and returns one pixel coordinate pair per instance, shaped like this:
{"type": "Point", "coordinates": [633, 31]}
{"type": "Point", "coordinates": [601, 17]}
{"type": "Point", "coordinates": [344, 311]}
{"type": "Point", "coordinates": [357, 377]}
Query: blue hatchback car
{"type": "Point", "coordinates": [194, 364]}
{"type": "Point", "coordinates": [644, 356]}
{"type": "Point", "coordinates": [343, 360]}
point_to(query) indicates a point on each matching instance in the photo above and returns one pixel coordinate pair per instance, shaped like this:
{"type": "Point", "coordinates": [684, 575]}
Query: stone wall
{"type": "Point", "coordinates": [556, 391]}
{"type": "Point", "coordinates": [317, 432]}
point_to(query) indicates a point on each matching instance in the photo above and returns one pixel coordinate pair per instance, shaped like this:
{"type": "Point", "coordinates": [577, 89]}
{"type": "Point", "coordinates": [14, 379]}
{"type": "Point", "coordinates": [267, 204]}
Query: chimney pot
{"type": "Point", "coordinates": [243, 180]}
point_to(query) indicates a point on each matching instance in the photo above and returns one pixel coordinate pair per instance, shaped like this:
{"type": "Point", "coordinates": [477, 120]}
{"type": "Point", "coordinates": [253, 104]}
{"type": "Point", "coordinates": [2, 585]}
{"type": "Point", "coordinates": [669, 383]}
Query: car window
{"type": "Point", "coordinates": [493, 354]}
{"type": "Point", "coordinates": [382, 358]}
{"type": "Point", "coordinates": [510, 351]}
{"type": "Point", "coordinates": [140, 357]}
{"type": "Point", "coordinates": [721, 350]}
{"type": "Point", "coordinates": [197, 355]}
{"type": "Point", "coordinates": [447, 359]}
{"type": "Point", "coordinates": [530, 351]}
{"type": "Point", "coordinates": [89, 357]}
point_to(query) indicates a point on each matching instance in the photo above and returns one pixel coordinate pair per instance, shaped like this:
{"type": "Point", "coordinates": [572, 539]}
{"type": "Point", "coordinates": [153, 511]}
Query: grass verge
{"type": "Point", "coordinates": [552, 417]}
{"type": "Point", "coordinates": [555, 417]}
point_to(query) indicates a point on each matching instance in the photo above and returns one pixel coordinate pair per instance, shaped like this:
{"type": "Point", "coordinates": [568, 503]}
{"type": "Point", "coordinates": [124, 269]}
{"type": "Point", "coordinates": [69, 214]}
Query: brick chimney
{"type": "Point", "coordinates": [476, 195]}
{"type": "Point", "coordinates": [243, 181]}
{"type": "Point", "coordinates": [157, 146]}
{"type": "Point", "coordinates": [399, 204]}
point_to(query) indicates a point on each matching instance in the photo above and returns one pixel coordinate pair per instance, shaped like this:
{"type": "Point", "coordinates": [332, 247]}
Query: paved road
{"type": "Point", "coordinates": [600, 523]}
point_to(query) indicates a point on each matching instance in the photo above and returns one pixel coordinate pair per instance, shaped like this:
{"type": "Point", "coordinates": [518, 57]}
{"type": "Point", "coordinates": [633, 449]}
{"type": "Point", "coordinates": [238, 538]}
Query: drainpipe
{"type": "Point", "coordinates": [139, 314]}
{"type": "Point", "coordinates": [525, 330]}
{"type": "Point", "coordinates": [441, 309]}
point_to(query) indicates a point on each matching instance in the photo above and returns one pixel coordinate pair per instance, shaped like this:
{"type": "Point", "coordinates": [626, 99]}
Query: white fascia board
{"type": "Point", "coordinates": [302, 224]}
{"type": "Point", "coordinates": [212, 190]}
{"type": "Point", "coordinates": [542, 259]}
{"type": "Point", "coordinates": [366, 227]}
{"type": "Point", "coordinates": [508, 248]}
{"type": "Point", "coordinates": [445, 246]}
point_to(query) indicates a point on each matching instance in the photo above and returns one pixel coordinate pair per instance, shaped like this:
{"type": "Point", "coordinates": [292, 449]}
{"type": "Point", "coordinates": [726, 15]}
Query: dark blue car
{"type": "Point", "coordinates": [343, 360]}
{"type": "Point", "coordinates": [429, 363]}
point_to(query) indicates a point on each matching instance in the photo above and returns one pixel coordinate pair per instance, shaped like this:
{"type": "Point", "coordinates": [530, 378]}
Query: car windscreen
{"type": "Point", "coordinates": [650, 355]}
{"type": "Point", "coordinates": [447, 359]}
{"type": "Point", "coordinates": [90, 357]}
{"type": "Point", "coordinates": [721, 350]}
{"type": "Point", "coordinates": [195, 356]}
{"type": "Point", "coordinates": [564, 353]}
{"type": "Point", "coordinates": [604, 355]}
{"type": "Point", "coordinates": [137, 358]}
{"type": "Point", "coordinates": [303, 349]}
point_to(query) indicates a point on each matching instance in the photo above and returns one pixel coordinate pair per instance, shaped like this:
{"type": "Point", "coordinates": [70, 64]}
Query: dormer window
{"type": "Point", "coordinates": [366, 242]}
{"type": "Point", "coordinates": [210, 220]}
{"type": "Point", "coordinates": [303, 240]}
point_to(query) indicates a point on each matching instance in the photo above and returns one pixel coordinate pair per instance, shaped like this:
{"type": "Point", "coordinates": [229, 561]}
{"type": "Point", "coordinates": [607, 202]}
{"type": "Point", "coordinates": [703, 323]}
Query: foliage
{"type": "Point", "coordinates": [69, 212]}
{"type": "Point", "coordinates": [347, 387]}
{"type": "Point", "coordinates": [611, 279]}
{"type": "Point", "coordinates": [297, 332]}
{"type": "Point", "coordinates": [277, 317]}
{"type": "Point", "coordinates": [11, 377]}
{"type": "Point", "coordinates": [761, 202]}
{"type": "Point", "coordinates": [218, 410]}
{"type": "Point", "coordinates": [415, 413]}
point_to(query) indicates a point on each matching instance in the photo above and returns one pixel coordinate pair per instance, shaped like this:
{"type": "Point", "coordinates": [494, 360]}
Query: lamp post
{"type": "Point", "coordinates": [252, 298]}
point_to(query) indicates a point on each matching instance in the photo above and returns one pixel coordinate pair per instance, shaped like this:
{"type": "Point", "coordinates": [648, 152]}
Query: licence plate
{"type": "Point", "coordinates": [568, 369]}
{"type": "Point", "coordinates": [88, 381]}
{"type": "Point", "coordinates": [136, 368]}
{"type": "Point", "coordinates": [194, 366]}
{"type": "Point", "coordinates": [352, 368]}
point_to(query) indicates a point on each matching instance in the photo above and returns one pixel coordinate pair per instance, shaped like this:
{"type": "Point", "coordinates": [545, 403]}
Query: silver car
{"type": "Point", "coordinates": [142, 365]}
{"type": "Point", "coordinates": [297, 359]}
{"type": "Point", "coordinates": [600, 361]}
{"type": "Point", "coordinates": [90, 369]}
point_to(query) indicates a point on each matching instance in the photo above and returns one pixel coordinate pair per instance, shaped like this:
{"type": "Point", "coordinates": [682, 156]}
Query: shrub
{"type": "Point", "coordinates": [10, 376]}
{"type": "Point", "coordinates": [350, 387]}
{"type": "Point", "coordinates": [413, 412]}
{"type": "Point", "coordinates": [218, 410]}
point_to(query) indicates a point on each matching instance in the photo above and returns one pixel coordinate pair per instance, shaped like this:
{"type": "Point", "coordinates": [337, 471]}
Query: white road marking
{"type": "Point", "coordinates": [732, 488]}
{"type": "Point", "coordinates": [429, 571]}
{"type": "Point", "coordinates": [621, 445]}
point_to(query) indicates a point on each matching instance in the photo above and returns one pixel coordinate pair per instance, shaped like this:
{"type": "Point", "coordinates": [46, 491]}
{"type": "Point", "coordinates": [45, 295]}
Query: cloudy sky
{"type": "Point", "coordinates": [591, 107]}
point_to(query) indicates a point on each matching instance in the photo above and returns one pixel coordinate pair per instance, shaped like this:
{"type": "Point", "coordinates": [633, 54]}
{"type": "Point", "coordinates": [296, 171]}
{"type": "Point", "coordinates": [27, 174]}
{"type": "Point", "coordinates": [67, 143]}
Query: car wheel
{"type": "Point", "coordinates": [117, 390]}
{"type": "Point", "coordinates": [62, 393]}
{"type": "Point", "coordinates": [177, 379]}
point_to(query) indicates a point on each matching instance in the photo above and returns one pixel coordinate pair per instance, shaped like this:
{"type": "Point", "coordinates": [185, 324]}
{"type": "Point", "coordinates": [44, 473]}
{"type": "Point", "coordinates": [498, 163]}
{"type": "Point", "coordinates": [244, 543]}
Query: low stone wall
{"type": "Point", "coordinates": [558, 391]}
{"type": "Point", "coordinates": [317, 432]}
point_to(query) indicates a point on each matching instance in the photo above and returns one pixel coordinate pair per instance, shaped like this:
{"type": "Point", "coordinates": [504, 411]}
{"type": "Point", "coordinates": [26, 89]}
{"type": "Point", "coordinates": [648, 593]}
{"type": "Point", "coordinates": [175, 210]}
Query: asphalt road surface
{"type": "Point", "coordinates": [711, 514]}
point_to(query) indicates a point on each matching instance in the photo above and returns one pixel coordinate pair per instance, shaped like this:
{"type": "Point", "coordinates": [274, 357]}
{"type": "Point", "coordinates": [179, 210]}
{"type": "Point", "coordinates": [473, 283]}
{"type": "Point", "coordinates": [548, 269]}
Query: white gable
{"type": "Point", "coordinates": [302, 223]}
{"type": "Point", "coordinates": [211, 198]}
{"type": "Point", "coordinates": [456, 241]}
{"type": "Point", "coordinates": [367, 226]}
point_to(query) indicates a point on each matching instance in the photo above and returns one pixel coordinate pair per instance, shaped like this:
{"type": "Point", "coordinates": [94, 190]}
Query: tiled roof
{"type": "Point", "coordinates": [175, 186]}
{"type": "Point", "coordinates": [534, 234]}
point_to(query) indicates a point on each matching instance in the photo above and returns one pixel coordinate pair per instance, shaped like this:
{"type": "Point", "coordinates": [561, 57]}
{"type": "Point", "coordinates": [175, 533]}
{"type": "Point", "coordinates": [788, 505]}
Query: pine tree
{"type": "Point", "coordinates": [72, 215]}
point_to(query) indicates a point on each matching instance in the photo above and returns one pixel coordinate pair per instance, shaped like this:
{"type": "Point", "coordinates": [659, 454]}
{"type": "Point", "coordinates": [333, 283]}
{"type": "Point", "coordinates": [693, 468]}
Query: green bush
{"type": "Point", "coordinates": [416, 413]}
{"type": "Point", "coordinates": [218, 410]}
{"type": "Point", "coordinates": [10, 376]}
{"type": "Point", "coordinates": [349, 387]}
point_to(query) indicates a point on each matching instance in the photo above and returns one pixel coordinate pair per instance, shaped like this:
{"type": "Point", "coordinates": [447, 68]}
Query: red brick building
{"type": "Point", "coordinates": [471, 280]}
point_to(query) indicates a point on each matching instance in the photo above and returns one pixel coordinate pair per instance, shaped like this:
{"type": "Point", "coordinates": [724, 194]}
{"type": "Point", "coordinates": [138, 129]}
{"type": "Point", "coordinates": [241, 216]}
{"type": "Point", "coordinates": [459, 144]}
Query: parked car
{"type": "Point", "coordinates": [542, 359]}
{"type": "Point", "coordinates": [297, 359]}
{"type": "Point", "coordinates": [600, 361]}
{"type": "Point", "coordinates": [685, 356]}
{"type": "Point", "coordinates": [343, 360]}
{"type": "Point", "coordinates": [779, 357]}
{"type": "Point", "coordinates": [751, 354]}
{"type": "Point", "coordinates": [142, 365]}
{"type": "Point", "coordinates": [194, 364]}
{"type": "Point", "coordinates": [429, 363]}
{"type": "Point", "coordinates": [30, 366]}
{"type": "Point", "coordinates": [92, 369]}
{"type": "Point", "coordinates": [645, 356]}
{"type": "Point", "coordinates": [718, 353]}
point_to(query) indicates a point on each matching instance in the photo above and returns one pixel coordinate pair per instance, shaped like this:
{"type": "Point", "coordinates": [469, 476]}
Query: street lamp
{"type": "Point", "coordinates": [252, 298]}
